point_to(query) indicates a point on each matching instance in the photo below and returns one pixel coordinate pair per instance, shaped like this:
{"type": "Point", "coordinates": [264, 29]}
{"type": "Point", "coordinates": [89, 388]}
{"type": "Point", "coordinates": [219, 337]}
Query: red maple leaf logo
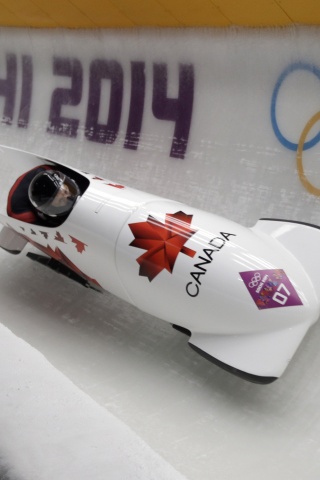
{"type": "Point", "coordinates": [80, 246]}
{"type": "Point", "coordinates": [59, 237]}
{"type": "Point", "coordinates": [115, 185]}
{"type": "Point", "coordinates": [163, 242]}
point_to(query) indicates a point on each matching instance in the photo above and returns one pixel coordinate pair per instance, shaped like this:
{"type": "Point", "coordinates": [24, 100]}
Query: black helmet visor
{"type": "Point", "coordinates": [53, 193]}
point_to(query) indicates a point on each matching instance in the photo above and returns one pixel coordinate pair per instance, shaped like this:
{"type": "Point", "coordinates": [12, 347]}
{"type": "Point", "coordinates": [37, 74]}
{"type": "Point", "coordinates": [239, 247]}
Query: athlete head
{"type": "Point", "coordinates": [53, 193]}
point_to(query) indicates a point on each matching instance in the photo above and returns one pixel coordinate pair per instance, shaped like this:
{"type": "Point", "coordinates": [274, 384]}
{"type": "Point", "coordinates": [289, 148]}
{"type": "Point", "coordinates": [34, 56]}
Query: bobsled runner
{"type": "Point", "coordinates": [245, 296]}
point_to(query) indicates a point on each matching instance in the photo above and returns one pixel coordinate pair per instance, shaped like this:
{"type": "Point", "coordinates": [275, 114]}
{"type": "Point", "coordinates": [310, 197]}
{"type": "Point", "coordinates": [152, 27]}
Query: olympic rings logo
{"type": "Point", "coordinates": [302, 144]}
{"type": "Point", "coordinates": [255, 280]}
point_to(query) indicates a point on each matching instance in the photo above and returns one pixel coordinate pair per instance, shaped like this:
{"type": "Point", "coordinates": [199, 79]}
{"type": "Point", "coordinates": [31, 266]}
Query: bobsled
{"type": "Point", "coordinates": [244, 296]}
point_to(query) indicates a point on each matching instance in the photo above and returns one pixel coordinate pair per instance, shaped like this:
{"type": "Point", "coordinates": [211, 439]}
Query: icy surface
{"type": "Point", "coordinates": [199, 418]}
{"type": "Point", "coordinates": [50, 429]}
{"type": "Point", "coordinates": [82, 373]}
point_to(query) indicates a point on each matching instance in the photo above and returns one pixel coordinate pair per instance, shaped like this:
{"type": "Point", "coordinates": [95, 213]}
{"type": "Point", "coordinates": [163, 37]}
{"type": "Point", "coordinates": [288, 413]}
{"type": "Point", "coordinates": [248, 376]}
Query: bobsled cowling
{"type": "Point", "coordinates": [245, 296]}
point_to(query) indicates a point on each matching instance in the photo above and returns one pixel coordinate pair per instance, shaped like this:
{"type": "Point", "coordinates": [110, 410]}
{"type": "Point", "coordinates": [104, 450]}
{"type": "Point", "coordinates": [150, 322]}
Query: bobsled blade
{"type": "Point", "coordinates": [258, 358]}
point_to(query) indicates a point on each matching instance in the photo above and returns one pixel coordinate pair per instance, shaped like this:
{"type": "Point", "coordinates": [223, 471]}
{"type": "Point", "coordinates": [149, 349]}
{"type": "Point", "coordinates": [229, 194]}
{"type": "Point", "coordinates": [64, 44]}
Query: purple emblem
{"type": "Point", "coordinates": [270, 288]}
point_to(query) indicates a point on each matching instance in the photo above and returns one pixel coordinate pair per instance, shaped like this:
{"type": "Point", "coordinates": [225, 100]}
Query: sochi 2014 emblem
{"type": "Point", "coordinates": [162, 241]}
{"type": "Point", "coordinates": [270, 288]}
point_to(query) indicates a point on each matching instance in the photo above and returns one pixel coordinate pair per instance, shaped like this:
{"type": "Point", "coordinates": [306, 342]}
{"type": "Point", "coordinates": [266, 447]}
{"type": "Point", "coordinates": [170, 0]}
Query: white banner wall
{"type": "Point", "coordinates": [211, 118]}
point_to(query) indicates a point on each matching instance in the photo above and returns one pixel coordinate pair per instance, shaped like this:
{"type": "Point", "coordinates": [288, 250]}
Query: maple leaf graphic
{"type": "Point", "coordinates": [80, 246]}
{"type": "Point", "coordinates": [162, 241]}
{"type": "Point", "coordinates": [59, 237]}
{"type": "Point", "coordinates": [115, 185]}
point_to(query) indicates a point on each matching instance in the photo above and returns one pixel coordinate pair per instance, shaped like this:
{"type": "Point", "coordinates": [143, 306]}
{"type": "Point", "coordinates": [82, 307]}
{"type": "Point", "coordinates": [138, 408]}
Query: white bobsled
{"type": "Point", "coordinates": [245, 296]}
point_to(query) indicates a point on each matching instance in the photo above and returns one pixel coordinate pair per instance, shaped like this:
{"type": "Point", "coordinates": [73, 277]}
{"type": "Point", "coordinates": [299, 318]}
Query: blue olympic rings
{"type": "Point", "coordinates": [291, 68]}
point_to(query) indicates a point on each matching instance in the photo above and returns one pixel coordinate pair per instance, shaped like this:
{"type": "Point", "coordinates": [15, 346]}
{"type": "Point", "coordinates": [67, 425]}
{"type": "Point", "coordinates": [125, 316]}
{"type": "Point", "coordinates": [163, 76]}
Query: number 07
{"type": "Point", "coordinates": [281, 297]}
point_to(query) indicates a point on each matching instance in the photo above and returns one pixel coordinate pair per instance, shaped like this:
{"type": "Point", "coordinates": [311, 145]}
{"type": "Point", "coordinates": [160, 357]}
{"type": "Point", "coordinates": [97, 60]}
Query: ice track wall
{"type": "Point", "coordinates": [214, 117]}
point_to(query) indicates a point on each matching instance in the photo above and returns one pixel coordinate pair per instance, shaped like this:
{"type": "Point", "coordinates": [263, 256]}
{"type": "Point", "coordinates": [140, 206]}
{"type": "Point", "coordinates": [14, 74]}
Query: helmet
{"type": "Point", "coordinates": [53, 193]}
